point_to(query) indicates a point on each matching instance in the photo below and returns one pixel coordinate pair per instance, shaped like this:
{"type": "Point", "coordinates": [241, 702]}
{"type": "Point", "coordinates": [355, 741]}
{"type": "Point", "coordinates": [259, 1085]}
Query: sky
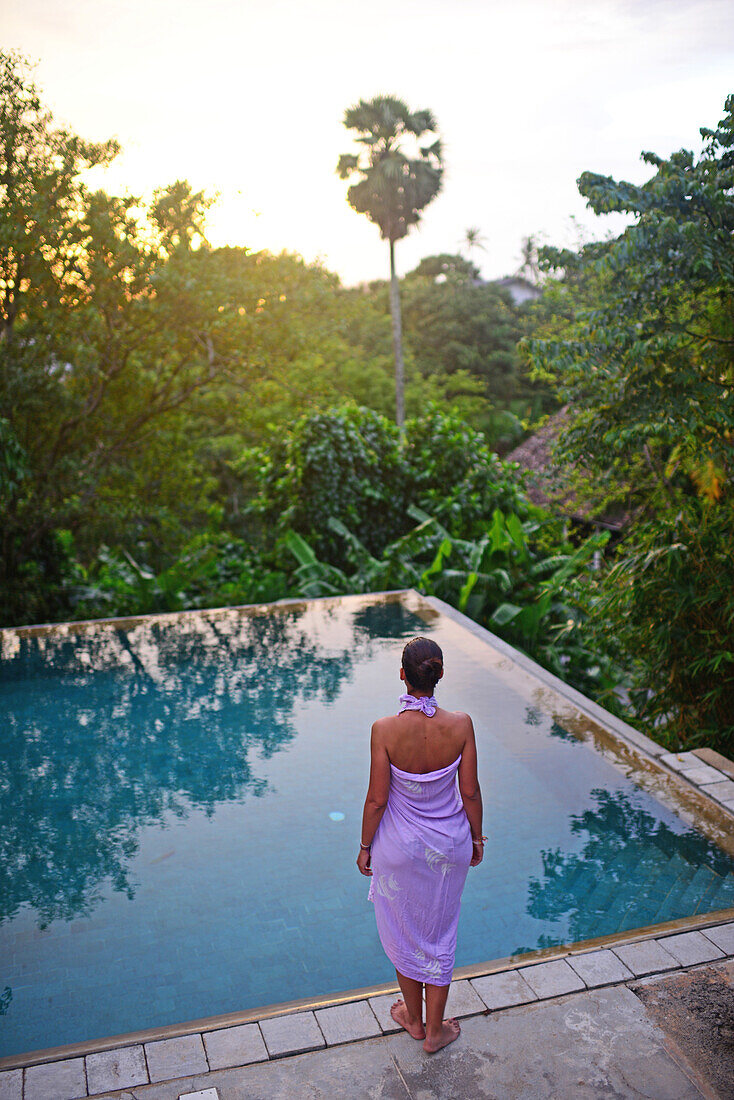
{"type": "Point", "coordinates": [246, 101]}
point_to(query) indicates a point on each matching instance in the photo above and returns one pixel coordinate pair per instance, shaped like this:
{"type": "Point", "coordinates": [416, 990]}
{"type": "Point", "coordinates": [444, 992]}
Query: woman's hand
{"type": "Point", "coordinates": [363, 861]}
{"type": "Point", "coordinates": [477, 853]}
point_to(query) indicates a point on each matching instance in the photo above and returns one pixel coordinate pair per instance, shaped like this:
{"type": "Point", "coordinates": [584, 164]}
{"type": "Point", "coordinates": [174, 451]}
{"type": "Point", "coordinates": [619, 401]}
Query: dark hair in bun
{"type": "Point", "coordinates": [423, 663]}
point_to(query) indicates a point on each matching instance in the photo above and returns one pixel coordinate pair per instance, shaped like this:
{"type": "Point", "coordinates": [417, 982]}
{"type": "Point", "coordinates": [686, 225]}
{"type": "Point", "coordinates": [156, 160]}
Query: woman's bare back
{"type": "Point", "coordinates": [418, 744]}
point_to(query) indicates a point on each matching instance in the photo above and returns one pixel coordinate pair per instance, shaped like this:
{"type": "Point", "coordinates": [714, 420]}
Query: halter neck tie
{"type": "Point", "coordinates": [425, 703]}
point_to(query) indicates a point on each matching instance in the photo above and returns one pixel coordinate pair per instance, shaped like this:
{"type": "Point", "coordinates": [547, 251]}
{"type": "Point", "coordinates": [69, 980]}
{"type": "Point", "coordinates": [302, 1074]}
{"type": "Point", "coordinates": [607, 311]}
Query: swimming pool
{"type": "Point", "coordinates": [181, 802]}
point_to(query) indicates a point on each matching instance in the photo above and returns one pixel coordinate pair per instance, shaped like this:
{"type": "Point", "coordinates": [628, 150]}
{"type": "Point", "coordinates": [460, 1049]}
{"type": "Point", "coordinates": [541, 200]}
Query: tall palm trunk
{"type": "Point", "coordinates": [397, 339]}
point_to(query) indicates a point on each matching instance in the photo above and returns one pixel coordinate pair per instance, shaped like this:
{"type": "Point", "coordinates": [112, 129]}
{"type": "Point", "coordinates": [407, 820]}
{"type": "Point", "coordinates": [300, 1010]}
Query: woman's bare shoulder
{"type": "Point", "coordinates": [459, 717]}
{"type": "Point", "coordinates": [382, 726]}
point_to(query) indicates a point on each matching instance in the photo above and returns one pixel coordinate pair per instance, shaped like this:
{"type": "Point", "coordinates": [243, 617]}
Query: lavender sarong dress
{"type": "Point", "coordinates": [420, 858]}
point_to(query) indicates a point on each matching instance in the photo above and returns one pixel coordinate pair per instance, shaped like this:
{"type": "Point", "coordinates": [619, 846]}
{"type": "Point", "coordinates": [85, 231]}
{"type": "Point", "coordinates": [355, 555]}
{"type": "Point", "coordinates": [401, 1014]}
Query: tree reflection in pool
{"type": "Point", "coordinates": [156, 718]}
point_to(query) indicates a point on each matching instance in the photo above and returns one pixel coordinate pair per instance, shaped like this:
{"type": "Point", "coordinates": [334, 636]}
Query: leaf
{"type": "Point", "coordinates": [505, 613]}
{"type": "Point", "coordinates": [300, 549]}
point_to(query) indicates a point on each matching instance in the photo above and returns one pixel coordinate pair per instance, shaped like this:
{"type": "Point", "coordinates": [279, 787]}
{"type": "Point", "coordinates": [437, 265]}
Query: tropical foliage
{"type": "Point", "coordinates": [504, 579]}
{"type": "Point", "coordinates": [189, 426]}
{"type": "Point", "coordinates": [642, 349]}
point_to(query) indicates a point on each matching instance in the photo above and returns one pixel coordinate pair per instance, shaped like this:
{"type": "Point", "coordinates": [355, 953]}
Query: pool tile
{"type": "Point", "coordinates": [179, 1057]}
{"type": "Point", "coordinates": [599, 968]}
{"type": "Point", "coordinates": [11, 1084]}
{"type": "Point", "coordinates": [116, 1069]}
{"type": "Point", "coordinates": [463, 1000]}
{"type": "Point", "coordinates": [234, 1046]}
{"type": "Point", "coordinates": [551, 979]}
{"type": "Point", "coordinates": [56, 1080]}
{"type": "Point", "coordinates": [722, 935]}
{"type": "Point", "coordinates": [345, 1023]}
{"type": "Point", "coordinates": [291, 1034]}
{"type": "Point", "coordinates": [647, 957]}
{"type": "Point", "coordinates": [504, 989]}
{"type": "Point", "coordinates": [690, 948]}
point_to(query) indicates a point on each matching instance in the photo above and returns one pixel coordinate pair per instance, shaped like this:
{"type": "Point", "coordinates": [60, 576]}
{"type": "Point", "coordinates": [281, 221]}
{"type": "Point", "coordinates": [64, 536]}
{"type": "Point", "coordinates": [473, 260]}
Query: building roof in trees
{"type": "Point", "coordinates": [521, 289]}
{"type": "Point", "coordinates": [550, 485]}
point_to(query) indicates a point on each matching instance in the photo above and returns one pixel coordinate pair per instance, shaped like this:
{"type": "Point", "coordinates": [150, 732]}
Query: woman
{"type": "Point", "coordinates": [419, 838]}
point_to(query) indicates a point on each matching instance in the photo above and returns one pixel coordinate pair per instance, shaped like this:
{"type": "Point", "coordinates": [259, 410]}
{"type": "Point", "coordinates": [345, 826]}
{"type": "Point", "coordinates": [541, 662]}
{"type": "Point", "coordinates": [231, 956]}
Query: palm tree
{"type": "Point", "coordinates": [397, 178]}
{"type": "Point", "coordinates": [473, 240]}
{"type": "Point", "coordinates": [529, 267]}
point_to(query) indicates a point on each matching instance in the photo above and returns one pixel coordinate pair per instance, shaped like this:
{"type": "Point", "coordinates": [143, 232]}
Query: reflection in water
{"type": "Point", "coordinates": [108, 729]}
{"type": "Point", "coordinates": [137, 723]}
{"type": "Point", "coordinates": [633, 871]}
{"type": "Point", "coordinates": [386, 620]}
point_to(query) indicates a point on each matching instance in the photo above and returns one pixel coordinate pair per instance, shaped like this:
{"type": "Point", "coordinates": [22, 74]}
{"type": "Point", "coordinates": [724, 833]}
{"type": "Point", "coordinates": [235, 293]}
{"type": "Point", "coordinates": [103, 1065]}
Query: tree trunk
{"type": "Point", "coordinates": [397, 339]}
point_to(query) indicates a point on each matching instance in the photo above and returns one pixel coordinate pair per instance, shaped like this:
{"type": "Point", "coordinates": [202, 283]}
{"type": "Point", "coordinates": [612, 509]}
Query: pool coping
{"type": "Point", "coordinates": [673, 766]}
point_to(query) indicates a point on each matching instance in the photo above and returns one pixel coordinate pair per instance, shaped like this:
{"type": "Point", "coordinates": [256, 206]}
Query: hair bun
{"type": "Point", "coordinates": [431, 664]}
{"type": "Point", "coordinates": [422, 663]}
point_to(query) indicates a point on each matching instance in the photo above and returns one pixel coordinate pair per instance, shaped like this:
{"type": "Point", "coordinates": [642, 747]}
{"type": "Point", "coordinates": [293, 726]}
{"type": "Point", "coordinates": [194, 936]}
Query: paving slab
{"type": "Point", "coordinates": [722, 791]}
{"type": "Point", "coordinates": [179, 1057]}
{"type": "Point", "coordinates": [722, 935]}
{"type": "Point", "coordinates": [647, 957]}
{"type": "Point", "coordinates": [680, 760]}
{"type": "Point", "coordinates": [357, 1071]}
{"type": "Point", "coordinates": [503, 990]}
{"type": "Point", "coordinates": [381, 1007]}
{"type": "Point", "coordinates": [589, 1045]}
{"type": "Point", "coordinates": [551, 979]}
{"type": "Point", "coordinates": [703, 774]}
{"type": "Point", "coordinates": [463, 1000]}
{"type": "Point", "coordinates": [56, 1080]}
{"type": "Point", "coordinates": [348, 1022]}
{"type": "Point", "coordinates": [11, 1084]}
{"type": "Point", "coordinates": [690, 948]}
{"type": "Point", "coordinates": [116, 1069]}
{"type": "Point", "coordinates": [716, 760]}
{"type": "Point", "coordinates": [291, 1034]}
{"type": "Point", "coordinates": [234, 1046]}
{"type": "Point", "coordinates": [728, 803]}
{"type": "Point", "coordinates": [599, 968]}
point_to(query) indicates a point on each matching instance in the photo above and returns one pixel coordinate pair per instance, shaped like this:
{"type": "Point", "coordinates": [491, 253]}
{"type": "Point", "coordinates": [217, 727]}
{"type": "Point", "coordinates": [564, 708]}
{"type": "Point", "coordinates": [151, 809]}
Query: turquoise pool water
{"type": "Point", "coordinates": [181, 802]}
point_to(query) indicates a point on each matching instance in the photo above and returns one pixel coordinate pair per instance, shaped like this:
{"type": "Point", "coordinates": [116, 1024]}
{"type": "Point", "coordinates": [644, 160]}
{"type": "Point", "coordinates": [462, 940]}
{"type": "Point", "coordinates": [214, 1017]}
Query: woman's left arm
{"type": "Point", "coordinates": [376, 800]}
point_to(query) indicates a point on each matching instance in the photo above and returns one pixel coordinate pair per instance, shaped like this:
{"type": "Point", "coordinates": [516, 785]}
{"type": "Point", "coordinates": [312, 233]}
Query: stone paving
{"type": "Point", "coordinates": [200, 1055]}
{"type": "Point", "coordinates": [705, 769]}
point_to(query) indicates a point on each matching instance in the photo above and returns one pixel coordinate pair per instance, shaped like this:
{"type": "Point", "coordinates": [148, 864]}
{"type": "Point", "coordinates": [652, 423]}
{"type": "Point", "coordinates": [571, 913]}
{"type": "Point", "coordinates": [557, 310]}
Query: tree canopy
{"type": "Point", "coordinates": [642, 350]}
{"type": "Point", "coordinates": [397, 175]}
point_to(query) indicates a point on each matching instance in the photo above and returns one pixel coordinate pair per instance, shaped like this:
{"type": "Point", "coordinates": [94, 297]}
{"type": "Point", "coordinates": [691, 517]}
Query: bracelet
{"type": "Point", "coordinates": [365, 846]}
{"type": "Point", "coordinates": [479, 840]}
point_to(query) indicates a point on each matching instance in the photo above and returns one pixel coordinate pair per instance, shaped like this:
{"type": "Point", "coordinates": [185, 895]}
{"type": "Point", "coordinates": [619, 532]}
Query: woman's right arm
{"type": "Point", "coordinates": [470, 792]}
{"type": "Point", "coordinates": [375, 803]}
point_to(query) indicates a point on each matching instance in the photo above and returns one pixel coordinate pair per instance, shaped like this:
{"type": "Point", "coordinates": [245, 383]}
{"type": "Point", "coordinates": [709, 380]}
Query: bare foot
{"type": "Point", "coordinates": [399, 1014]}
{"type": "Point", "coordinates": [450, 1030]}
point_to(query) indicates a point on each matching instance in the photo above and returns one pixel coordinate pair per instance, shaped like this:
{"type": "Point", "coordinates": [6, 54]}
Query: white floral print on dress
{"type": "Point", "coordinates": [387, 887]}
{"type": "Point", "coordinates": [437, 861]}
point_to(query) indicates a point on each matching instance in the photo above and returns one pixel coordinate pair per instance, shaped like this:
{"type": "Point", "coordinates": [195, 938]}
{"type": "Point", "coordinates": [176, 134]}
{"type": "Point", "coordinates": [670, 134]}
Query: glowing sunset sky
{"type": "Point", "coordinates": [246, 99]}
